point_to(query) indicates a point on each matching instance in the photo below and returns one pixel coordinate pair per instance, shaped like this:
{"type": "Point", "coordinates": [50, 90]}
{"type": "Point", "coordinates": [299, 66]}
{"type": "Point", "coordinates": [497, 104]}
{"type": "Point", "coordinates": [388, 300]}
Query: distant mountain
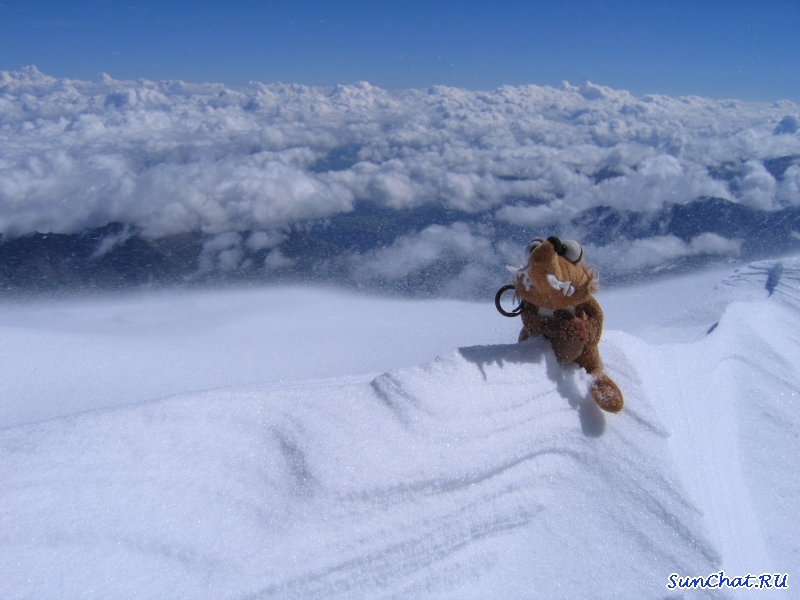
{"type": "Point", "coordinates": [345, 249]}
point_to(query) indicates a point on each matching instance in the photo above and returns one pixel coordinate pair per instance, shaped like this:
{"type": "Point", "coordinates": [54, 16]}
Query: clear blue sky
{"type": "Point", "coordinates": [721, 49]}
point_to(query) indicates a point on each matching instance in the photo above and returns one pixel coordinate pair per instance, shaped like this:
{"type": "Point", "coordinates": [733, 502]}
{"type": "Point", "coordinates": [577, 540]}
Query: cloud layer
{"type": "Point", "coordinates": [165, 158]}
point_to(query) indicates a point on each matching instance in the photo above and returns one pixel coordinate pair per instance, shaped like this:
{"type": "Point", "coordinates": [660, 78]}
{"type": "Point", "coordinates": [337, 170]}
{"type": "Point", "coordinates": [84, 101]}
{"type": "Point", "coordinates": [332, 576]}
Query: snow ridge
{"type": "Point", "coordinates": [486, 471]}
{"type": "Point", "coordinates": [731, 401]}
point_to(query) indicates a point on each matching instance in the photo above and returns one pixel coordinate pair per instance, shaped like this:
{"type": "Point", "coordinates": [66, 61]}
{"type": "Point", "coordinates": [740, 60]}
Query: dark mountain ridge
{"type": "Point", "coordinates": [116, 257]}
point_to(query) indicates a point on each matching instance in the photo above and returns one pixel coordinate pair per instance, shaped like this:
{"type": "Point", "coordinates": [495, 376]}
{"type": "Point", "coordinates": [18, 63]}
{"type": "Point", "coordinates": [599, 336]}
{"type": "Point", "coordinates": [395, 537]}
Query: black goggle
{"type": "Point", "coordinates": [569, 249]}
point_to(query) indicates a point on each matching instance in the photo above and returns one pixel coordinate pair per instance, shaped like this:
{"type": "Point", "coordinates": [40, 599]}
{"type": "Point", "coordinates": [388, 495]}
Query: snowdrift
{"type": "Point", "coordinates": [488, 472]}
{"type": "Point", "coordinates": [485, 471]}
{"type": "Point", "coordinates": [731, 402]}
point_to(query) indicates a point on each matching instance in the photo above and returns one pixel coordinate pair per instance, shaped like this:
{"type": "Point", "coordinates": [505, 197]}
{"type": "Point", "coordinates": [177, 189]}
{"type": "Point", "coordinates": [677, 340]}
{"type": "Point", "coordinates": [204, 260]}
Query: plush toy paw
{"type": "Point", "coordinates": [573, 329]}
{"type": "Point", "coordinates": [606, 393]}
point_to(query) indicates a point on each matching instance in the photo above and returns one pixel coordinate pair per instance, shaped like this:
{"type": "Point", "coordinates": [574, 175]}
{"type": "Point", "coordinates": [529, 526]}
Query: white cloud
{"type": "Point", "coordinates": [223, 251]}
{"type": "Point", "coordinates": [419, 250]}
{"type": "Point", "coordinates": [108, 243]}
{"type": "Point", "coordinates": [626, 255]}
{"type": "Point", "coordinates": [534, 216]}
{"type": "Point", "coordinates": [259, 240]}
{"type": "Point", "coordinates": [711, 243]}
{"type": "Point", "coordinates": [757, 186]}
{"type": "Point", "coordinates": [276, 260]}
{"type": "Point", "coordinates": [788, 192]}
{"type": "Point", "coordinates": [167, 157]}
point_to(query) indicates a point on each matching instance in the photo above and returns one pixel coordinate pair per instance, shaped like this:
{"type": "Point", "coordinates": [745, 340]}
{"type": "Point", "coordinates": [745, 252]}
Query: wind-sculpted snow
{"type": "Point", "coordinates": [487, 472]}
{"type": "Point", "coordinates": [732, 403]}
{"type": "Point", "coordinates": [249, 164]}
{"type": "Point", "coordinates": [484, 473]}
{"type": "Point", "coordinates": [777, 279]}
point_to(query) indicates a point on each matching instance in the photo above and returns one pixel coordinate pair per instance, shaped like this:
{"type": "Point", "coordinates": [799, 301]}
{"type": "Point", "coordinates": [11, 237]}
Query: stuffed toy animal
{"type": "Point", "coordinates": [555, 289]}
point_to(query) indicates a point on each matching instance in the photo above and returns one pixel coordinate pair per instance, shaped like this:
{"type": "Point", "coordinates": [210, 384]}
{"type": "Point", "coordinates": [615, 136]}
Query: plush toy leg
{"type": "Point", "coordinates": [604, 391]}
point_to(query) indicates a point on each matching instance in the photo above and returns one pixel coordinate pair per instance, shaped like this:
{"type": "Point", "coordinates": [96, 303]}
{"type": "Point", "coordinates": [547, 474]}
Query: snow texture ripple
{"type": "Point", "coordinates": [488, 472]}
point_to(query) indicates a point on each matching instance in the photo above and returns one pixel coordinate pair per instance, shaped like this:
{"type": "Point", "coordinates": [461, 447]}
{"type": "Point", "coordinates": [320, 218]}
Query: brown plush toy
{"type": "Point", "coordinates": [555, 289]}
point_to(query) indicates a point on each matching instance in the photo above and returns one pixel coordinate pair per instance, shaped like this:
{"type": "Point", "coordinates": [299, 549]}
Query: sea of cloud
{"type": "Point", "coordinates": [242, 165]}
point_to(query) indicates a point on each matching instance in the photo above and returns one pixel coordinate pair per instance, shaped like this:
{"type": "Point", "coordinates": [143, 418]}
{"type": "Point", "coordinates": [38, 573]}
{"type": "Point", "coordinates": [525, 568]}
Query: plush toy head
{"type": "Point", "coordinates": [555, 276]}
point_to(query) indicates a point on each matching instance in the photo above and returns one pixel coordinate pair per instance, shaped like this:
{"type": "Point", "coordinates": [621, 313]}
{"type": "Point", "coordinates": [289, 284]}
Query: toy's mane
{"type": "Point", "coordinates": [594, 278]}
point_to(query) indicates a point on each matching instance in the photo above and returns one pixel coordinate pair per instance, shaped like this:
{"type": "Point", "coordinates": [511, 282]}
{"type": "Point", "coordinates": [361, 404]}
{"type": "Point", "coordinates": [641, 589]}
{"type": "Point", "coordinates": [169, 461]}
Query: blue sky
{"type": "Point", "coordinates": [720, 49]}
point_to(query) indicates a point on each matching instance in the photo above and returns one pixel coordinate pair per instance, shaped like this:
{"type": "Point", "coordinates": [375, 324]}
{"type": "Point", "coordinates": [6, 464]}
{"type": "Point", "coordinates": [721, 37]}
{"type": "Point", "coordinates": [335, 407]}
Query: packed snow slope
{"type": "Point", "coordinates": [59, 358]}
{"type": "Point", "coordinates": [487, 472]}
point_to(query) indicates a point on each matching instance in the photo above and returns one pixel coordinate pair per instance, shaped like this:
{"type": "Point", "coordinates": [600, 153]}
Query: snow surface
{"type": "Point", "coordinates": [485, 472]}
{"type": "Point", "coordinates": [58, 358]}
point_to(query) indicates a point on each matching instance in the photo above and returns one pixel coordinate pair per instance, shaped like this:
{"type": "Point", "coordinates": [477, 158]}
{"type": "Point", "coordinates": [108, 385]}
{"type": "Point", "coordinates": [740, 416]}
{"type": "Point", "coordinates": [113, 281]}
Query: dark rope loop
{"type": "Point", "coordinates": [500, 309]}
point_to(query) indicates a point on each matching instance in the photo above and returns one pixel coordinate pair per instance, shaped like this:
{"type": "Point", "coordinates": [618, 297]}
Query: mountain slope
{"type": "Point", "coordinates": [485, 473]}
{"type": "Point", "coordinates": [732, 404]}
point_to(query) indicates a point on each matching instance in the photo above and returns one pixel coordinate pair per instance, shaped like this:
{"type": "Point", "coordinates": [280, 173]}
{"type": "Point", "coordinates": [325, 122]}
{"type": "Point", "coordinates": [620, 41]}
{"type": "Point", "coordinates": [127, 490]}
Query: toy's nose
{"type": "Point", "coordinates": [543, 251]}
{"type": "Point", "coordinates": [545, 255]}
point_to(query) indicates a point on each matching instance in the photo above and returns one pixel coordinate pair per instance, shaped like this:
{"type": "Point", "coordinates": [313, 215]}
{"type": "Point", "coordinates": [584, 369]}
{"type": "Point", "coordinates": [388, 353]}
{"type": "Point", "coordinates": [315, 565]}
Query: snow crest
{"type": "Point", "coordinates": [488, 471]}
